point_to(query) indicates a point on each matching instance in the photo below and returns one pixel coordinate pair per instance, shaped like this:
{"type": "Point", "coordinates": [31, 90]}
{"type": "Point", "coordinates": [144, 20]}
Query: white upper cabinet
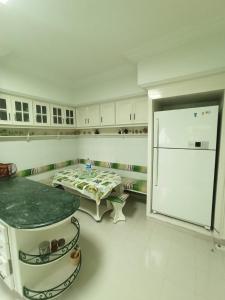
{"type": "Point", "coordinates": [140, 110]}
{"type": "Point", "coordinates": [132, 111]}
{"type": "Point", "coordinates": [124, 112]}
{"type": "Point", "coordinates": [41, 113]}
{"type": "Point", "coordinates": [94, 115]}
{"type": "Point", "coordinates": [81, 113]}
{"type": "Point", "coordinates": [22, 110]}
{"type": "Point", "coordinates": [62, 116]}
{"type": "Point", "coordinates": [5, 109]}
{"type": "Point", "coordinates": [88, 116]}
{"type": "Point", "coordinates": [107, 114]}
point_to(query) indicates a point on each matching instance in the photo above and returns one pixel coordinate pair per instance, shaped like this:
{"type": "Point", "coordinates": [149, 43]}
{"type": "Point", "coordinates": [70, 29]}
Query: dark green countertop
{"type": "Point", "coordinates": [25, 204]}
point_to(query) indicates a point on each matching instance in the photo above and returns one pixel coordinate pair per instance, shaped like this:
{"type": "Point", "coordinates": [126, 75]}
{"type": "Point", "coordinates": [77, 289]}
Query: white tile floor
{"type": "Point", "coordinates": [143, 259]}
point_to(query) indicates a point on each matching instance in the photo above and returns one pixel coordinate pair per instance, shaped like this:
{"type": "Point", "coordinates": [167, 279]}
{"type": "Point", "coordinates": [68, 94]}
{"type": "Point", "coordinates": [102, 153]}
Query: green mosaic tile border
{"type": "Point", "coordinates": [43, 169]}
{"type": "Point", "coordinates": [97, 163]}
{"type": "Point", "coordinates": [118, 166]}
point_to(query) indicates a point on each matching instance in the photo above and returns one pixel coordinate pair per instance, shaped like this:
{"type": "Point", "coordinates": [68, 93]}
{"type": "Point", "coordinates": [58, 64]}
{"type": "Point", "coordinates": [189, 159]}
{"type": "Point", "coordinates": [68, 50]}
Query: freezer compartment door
{"type": "Point", "coordinates": [183, 183]}
{"type": "Point", "coordinates": [194, 128]}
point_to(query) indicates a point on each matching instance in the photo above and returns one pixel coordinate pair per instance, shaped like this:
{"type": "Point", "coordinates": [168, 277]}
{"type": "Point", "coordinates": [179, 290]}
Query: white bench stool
{"type": "Point", "coordinates": [118, 203]}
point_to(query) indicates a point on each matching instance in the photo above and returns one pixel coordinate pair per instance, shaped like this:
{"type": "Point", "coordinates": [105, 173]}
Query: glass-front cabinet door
{"type": "Point", "coordinates": [56, 115]}
{"type": "Point", "coordinates": [41, 113]}
{"type": "Point", "coordinates": [22, 111]}
{"type": "Point", "coordinates": [69, 115]}
{"type": "Point", "coordinates": [5, 109]}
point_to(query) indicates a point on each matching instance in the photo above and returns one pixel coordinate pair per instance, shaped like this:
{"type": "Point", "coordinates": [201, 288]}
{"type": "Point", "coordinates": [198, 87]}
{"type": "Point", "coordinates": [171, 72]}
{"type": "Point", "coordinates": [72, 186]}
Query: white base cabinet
{"type": "Point", "coordinates": [35, 276]}
{"type": "Point", "coordinates": [5, 258]}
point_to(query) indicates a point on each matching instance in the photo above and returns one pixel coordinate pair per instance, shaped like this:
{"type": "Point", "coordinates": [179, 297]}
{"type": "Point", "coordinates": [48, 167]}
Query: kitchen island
{"type": "Point", "coordinates": [32, 213]}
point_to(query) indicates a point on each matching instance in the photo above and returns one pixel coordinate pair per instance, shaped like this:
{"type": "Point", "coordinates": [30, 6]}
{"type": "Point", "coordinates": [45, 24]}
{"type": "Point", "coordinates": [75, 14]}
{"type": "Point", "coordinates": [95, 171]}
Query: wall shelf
{"type": "Point", "coordinates": [113, 126]}
{"type": "Point", "coordinates": [112, 135]}
{"type": "Point", "coordinates": [28, 134]}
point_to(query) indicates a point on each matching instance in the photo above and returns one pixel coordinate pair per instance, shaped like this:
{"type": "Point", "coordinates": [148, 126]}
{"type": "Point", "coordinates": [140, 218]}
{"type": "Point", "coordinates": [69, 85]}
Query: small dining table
{"type": "Point", "coordinates": [94, 184]}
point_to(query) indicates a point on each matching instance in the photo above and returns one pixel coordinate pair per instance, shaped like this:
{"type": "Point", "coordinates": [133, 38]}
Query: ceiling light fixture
{"type": "Point", "coordinates": [3, 1]}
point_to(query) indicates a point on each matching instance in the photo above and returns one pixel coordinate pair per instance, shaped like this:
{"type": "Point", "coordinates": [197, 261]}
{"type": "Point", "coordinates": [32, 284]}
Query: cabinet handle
{"type": "Point", "coordinates": [130, 117]}
{"type": "Point", "coordinates": [88, 121]}
{"type": "Point", "coordinates": [134, 116]}
{"type": "Point", "coordinates": [85, 121]}
{"type": "Point", "coordinates": [101, 119]}
{"type": "Point", "coordinates": [9, 117]}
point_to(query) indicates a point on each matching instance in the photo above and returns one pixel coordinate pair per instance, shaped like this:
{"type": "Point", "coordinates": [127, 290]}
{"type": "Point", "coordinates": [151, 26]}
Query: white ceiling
{"type": "Point", "coordinates": [65, 42]}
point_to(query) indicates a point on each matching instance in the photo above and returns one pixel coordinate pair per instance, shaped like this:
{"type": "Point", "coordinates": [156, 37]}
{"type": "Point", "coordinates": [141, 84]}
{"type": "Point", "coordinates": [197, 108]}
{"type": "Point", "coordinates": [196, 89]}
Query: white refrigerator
{"type": "Point", "coordinates": [184, 163]}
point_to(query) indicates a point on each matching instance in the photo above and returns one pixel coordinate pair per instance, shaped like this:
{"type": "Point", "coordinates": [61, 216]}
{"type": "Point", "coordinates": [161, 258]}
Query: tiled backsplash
{"type": "Point", "coordinates": [111, 165]}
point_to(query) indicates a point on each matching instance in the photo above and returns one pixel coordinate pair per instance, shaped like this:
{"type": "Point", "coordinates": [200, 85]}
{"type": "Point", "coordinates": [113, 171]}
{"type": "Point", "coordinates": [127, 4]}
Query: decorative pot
{"type": "Point", "coordinates": [75, 256]}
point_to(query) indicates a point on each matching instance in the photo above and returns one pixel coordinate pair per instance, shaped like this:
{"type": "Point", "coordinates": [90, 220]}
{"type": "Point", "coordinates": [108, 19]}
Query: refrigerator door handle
{"type": "Point", "coordinates": [156, 166]}
{"type": "Point", "coordinates": [157, 132]}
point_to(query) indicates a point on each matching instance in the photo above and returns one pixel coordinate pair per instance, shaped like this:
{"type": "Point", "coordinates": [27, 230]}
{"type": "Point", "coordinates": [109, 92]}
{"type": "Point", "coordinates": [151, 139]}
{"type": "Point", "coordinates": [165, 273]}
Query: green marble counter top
{"type": "Point", "coordinates": [25, 204]}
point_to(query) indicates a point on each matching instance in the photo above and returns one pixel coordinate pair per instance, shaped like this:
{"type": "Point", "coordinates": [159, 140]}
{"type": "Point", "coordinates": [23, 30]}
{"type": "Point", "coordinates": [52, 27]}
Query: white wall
{"type": "Point", "coordinates": [37, 153]}
{"type": "Point", "coordinates": [118, 83]}
{"type": "Point", "coordinates": [115, 84]}
{"type": "Point", "coordinates": [13, 81]}
{"type": "Point", "coordinates": [128, 150]}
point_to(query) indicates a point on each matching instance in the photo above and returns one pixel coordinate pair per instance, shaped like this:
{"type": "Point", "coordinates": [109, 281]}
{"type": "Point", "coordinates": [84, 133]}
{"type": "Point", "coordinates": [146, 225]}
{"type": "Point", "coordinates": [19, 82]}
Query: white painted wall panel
{"type": "Point", "coordinates": [122, 150]}
{"type": "Point", "coordinates": [37, 153]}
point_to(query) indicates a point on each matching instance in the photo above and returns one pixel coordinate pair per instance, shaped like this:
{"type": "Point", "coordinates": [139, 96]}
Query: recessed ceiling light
{"type": "Point", "coordinates": [3, 1]}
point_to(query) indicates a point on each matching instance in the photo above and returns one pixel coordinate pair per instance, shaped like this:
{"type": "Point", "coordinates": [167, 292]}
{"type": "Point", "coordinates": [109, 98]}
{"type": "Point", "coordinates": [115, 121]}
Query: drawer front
{"type": "Point", "coordinates": [4, 267]}
{"type": "Point", "coordinates": [3, 234]}
{"type": "Point", "coordinates": [8, 281]}
{"type": "Point", "coordinates": [5, 273]}
{"type": "Point", "coordinates": [4, 250]}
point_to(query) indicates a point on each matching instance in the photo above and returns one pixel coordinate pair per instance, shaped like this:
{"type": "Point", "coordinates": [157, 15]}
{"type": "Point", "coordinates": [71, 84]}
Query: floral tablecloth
{"type": "Point", "coordinates": [94, 184]}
